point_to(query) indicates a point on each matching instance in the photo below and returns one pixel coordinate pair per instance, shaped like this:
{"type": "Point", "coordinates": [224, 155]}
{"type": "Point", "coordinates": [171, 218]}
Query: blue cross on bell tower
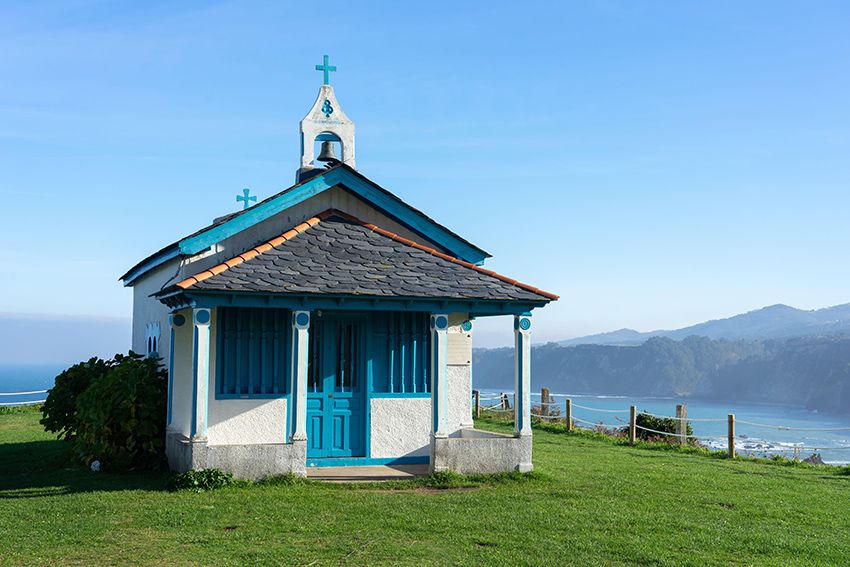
{"type": "Point", "coordinates": [326, 69]}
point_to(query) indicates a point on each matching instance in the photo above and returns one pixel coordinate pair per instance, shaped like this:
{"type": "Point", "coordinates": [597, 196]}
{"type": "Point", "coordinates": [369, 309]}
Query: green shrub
{"type": "Point", "coordinates": [59, 411]}
{"type": "Point", "coordinates": [665, 424]}
{"type": "Point", "coordinates": [200, 480]}
{"type": "Point", "coordinates": [120, 417]}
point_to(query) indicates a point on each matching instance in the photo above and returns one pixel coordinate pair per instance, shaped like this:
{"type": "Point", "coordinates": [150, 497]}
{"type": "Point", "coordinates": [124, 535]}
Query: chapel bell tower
{"type": "Point", "coordinates": [326, 123]}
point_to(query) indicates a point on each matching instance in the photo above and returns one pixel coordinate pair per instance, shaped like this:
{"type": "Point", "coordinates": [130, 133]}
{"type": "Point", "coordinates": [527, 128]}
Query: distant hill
{"type": "Point", "coordinates": [777, 354]}
{"type": "Point", "coordinates": [773, 322]}
{"type": "Point", "coordinates": [810, 371]}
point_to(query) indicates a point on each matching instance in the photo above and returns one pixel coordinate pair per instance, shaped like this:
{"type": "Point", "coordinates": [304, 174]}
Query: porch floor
{"type": "Point", "coordinates": [371, 473]}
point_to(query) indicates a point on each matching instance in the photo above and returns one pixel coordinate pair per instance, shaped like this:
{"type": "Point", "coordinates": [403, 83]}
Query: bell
{"type": "Point", "coordinates": [327, 154]}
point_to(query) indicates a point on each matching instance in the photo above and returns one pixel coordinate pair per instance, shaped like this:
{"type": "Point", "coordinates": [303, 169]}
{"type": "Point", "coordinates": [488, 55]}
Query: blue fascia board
{"type": "Point", "coordinates": [149, 264]}
{"type": "Point", "coordinates": [402, 212]}
{"type": "Point", "coordinates": [475, 308]}
{"type": "Point", "coordinates": [254, 215]}
{"type": "Point", "coordinates": [366, 461]}
{"type": "Point", "coordinates": [380, 198]}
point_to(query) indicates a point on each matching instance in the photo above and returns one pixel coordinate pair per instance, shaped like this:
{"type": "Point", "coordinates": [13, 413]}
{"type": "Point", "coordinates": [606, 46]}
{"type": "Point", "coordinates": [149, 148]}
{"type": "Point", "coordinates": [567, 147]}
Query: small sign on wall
{"type": "Point", "coordinates": [459, 346]}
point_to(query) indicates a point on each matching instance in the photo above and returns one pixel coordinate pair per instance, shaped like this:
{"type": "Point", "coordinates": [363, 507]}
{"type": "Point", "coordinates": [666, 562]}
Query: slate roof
{"type": "Point", "coordinates": [335, 253]}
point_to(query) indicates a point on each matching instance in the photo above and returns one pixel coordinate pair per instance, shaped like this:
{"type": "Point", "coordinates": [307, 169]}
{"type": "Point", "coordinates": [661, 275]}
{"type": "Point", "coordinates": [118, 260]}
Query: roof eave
{"type": "Point", "coordinates": [156, 259]}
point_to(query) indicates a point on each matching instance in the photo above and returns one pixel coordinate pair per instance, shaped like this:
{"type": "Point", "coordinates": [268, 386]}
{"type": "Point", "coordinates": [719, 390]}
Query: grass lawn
{"type": "Point", "coordinates": [591, 502]}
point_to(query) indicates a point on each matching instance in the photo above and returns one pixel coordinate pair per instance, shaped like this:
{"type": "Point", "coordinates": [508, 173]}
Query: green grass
{"type": "Point", "coordinates": [590, 501]}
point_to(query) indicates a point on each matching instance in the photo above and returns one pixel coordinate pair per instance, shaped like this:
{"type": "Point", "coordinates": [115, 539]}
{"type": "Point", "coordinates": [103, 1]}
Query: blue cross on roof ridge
{"type": "Point", "coordinates": [326, 69]}
{"type": "Point", "coordinates": [246, 198]}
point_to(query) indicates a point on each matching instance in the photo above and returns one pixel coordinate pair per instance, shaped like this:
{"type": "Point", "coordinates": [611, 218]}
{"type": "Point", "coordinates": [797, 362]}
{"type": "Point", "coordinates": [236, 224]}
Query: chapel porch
{"type": "Point", "coordinates": [321, 393]}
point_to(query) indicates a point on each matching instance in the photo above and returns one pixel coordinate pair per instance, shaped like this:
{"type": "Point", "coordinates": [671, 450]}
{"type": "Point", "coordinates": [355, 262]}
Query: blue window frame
{"type": "Point", "coordinates": [253, 352]}
{"type": "Point", "coordinates": [401, 343]}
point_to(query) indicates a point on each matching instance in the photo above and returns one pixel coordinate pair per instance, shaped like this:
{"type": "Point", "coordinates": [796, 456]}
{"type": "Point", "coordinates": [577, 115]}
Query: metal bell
{"type": "Point", "coordinates": [327, 154]}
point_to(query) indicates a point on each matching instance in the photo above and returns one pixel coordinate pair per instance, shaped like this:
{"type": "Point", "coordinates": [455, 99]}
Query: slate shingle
{"type": "Point", "coordinates": [338, 256]}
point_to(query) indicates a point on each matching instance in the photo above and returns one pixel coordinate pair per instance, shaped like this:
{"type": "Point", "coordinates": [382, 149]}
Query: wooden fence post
{"type": "Point", "coordinates": [682, 423]}
{"type": "Point", "coordinates": [477, 394]}
{"type": "Point", "coordinates": [632, 424]}
{"type": "Point", "coordinates": [544, 406]}
{"type": "Point", "coordinates": [731, 440]}
{"type": "Point", "coordinates": [569, 421]}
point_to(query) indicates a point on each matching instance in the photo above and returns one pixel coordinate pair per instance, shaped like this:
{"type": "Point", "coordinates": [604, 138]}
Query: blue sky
{"type": "Point", "coordinates": [655, 163]}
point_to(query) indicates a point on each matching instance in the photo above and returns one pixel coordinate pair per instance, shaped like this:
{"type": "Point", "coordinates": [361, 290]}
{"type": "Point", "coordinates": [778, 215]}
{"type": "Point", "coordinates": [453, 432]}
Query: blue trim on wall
{"type": "Point", "coordinates": [367, 461]}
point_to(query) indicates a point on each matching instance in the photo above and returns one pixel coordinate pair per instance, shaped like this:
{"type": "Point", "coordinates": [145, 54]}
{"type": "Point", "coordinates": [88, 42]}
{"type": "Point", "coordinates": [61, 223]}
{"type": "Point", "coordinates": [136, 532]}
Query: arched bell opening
{"type": "Point", "coordinates": [327, 150]}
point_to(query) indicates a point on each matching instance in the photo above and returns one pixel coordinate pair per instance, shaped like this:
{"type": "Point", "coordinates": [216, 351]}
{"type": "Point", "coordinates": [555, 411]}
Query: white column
{"type": "Point", "coordinates": [522, 375]}
{"type": "Point", "coordinates": [200, 372]}
{"type": "Point", "coordinates": [174, 321]}
{"type": "Point", "coordinates": [300, 347]}
{"type": "Point", "coordinates": [439, 356]}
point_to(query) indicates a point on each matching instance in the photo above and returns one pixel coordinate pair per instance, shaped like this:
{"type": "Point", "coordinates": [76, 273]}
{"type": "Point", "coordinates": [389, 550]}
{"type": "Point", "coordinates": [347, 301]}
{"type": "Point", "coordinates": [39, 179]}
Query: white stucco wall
{"type": "Point", "coordinates": [247, 422]}
{"type": "Point", "coordinates": [400, 427]}
{"type": "Point", "coordinates": [459, 391]}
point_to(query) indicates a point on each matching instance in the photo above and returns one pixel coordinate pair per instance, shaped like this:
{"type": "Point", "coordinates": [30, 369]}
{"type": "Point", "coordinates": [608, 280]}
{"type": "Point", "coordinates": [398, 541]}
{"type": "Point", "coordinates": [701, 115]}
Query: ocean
{"type": "Point", "coordinates": [788, 430]}
{"type": "Point", "coordinates": [26, 378]}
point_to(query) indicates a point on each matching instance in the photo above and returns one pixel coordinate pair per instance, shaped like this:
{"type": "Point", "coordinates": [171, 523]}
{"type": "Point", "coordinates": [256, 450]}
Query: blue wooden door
{"type": "Point", "coordinates": [336, 386]}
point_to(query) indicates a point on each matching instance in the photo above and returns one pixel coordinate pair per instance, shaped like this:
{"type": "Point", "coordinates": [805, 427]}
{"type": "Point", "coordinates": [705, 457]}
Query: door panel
{"type": "Point", "coordinates": [335, 406]}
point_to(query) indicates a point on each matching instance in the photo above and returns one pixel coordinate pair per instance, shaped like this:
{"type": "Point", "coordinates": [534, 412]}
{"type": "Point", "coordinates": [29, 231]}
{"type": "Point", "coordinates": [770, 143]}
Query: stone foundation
{"type": "Point", "coordinates": [470, 451]}
{"type": "Point", "coordinates": [251, 462]}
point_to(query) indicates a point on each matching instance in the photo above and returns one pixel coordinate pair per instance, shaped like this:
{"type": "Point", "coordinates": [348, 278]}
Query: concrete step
{"type": "Point", "coordinates": [371, 473]}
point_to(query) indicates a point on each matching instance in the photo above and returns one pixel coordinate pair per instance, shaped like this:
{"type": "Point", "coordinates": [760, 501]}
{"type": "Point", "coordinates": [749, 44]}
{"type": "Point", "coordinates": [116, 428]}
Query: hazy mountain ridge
{"type": "Point", "coordinates": [810, 371]}
{"type": "Point", "coordinates": [777, 354]}
{"type": "Point", "coordinates": [772, 322]}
